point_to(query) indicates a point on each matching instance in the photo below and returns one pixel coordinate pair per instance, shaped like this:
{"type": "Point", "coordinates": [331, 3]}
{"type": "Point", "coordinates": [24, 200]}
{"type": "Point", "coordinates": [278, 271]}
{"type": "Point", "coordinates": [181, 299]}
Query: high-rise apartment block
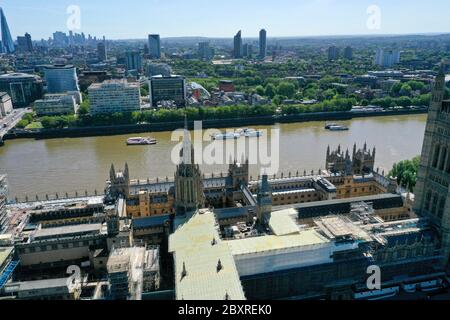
{"type": "Point", "coordinates": [387, 58]}
{"type": "Point", "coordinates": [205, 51]}
{"type": "Point", "coordinates": [348, 53]}
{"type": "Point", "coordinates": [333, 53]}
{"type": "Point", "coordinates": [154, 45]}
{"type": "Point", "coordinates": [262, 44]}
{"type": "Point", "coordinates": [238, 47]}
{"type": "Point", "coordinates": [133, 61]}
{"type": "Point", "coordinates": [102, 51]}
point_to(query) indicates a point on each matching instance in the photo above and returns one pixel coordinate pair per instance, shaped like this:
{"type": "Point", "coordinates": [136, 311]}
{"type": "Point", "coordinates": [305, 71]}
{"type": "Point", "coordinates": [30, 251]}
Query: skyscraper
{"type": "Point", "coordinates": [237, 52]}
{"type": "Point", "coordinates": [60, 39]}
{"type": "Point", "coordinates": [247, 50]}
{"type": "Point", "coordinates": [205, 51]}
{"type": "Point", "coordinates": [333, 53]}
{"type": "Point", "coordinates": [133, 61]}
{"type": "Point", "coordinates": [387, 58]}
{"type": "Point", "coordinates": [154, 45]}
{"type": "Point", "coordinates": [348, 53]}
{"type": "Point", "coordinates": [262, 44]}
{"type": "Point", "coordinates": [7, 41]}
{"type": "Point", "coordinates": [102, 50]}
{"type": "Point", "coordinates": [432, 193]}
{"type": "Point", "coordinates": [24, 44]}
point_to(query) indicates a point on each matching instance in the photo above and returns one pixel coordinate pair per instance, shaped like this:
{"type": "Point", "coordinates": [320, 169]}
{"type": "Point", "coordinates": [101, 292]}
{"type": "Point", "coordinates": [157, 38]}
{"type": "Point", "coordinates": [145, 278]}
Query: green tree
{"type": "Point", "coordinates": [260, 90]}
{"type": "Point", "coordinates": [270, 90]}
{"type": "Point", "coordinates": [286, 89]}
{"type": "Point", "coordinates": [406, 173]}
{"type": "Point", "coordinates": [22, 124]}
{"type": "Point", "coordinates": [406, 90]}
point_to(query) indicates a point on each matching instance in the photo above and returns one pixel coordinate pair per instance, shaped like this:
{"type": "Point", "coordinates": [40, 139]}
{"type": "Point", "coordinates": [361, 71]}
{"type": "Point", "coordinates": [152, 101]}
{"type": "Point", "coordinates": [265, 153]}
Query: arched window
{"type": "Point", "coordinates": [442, 158]}
{"type": "Point", "coordinates": [434, 204]}
{"type": "Point", "coordinates": [448, 160]}
{"type": "Point", "coordinates": [428, 201]}
{"type": "Point", "coordinates": [437, 150]}
{"type": "Point", "coordinates": [441, 207]}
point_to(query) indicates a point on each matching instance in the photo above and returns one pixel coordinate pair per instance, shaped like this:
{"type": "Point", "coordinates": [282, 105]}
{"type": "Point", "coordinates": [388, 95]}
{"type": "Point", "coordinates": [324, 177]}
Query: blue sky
{"type": "Point", "coordinates": [127, 19]}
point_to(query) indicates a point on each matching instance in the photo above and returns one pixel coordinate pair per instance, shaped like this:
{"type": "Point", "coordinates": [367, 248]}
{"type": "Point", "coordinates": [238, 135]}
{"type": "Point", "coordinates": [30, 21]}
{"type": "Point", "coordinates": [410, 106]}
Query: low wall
{"type": "Point", "coordinates": [207, 124]}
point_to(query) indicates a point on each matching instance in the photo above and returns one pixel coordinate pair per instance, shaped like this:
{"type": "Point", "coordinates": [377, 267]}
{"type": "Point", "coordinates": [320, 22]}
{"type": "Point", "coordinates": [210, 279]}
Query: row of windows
{"type": "Point", "coordinates": [435, 204]}
{"type": "Point", "coordinates": [355, 190]}
{"type": "Point", "coordinates": [77, 244]}
{"type": "Point", "coordinates": [441, 158]}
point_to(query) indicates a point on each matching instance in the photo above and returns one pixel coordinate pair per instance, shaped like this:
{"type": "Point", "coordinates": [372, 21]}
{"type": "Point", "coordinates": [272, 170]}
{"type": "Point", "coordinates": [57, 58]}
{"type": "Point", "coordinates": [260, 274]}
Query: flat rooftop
{"type": "Point", "coordinates": [38, 285]}
{"type": "Point", "coordinates": [197, 250]}
{"type": "Point", "coordinates": [5, 252]}
{"type": "Point", "coordinates": [269, 243]}
{"type": "Point", "coordinates": [67, 231]}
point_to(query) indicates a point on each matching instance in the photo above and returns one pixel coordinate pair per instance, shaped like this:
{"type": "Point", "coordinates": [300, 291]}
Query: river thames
{"type": "Point", "coordinates": [78, 164]}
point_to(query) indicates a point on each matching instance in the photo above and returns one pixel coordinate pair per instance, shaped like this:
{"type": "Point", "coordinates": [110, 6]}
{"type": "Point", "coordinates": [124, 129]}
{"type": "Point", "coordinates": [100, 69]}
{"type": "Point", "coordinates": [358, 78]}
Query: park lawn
{"type": "Point", "coordinates": [35, 125]}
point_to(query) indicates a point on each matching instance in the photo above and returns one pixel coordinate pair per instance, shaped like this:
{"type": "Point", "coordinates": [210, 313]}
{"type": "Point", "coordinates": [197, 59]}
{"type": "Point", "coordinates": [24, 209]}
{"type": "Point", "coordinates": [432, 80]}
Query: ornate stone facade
{"type": "Point", "coordinates": [432, 189]}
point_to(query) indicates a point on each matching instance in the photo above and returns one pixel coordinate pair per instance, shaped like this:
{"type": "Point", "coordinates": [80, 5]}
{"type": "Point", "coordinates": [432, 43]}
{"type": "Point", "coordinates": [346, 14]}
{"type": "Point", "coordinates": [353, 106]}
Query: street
{"type": "Point", "coordinates": [10, 121]}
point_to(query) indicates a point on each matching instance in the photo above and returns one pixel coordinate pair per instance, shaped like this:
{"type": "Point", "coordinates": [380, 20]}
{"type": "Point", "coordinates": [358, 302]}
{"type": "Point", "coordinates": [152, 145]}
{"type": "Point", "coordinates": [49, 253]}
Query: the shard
{"type": "Point", "coordinates": [7, 41]}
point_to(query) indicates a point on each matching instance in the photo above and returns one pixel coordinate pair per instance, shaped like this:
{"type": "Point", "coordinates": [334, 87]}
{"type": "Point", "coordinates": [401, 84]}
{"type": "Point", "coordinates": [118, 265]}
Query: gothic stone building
{"type": "Point", "coordinates": [432, 190]}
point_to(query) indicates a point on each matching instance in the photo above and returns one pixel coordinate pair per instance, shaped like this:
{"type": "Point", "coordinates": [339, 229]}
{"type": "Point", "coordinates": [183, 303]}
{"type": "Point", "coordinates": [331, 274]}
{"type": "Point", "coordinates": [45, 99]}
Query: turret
{"type": "Point", "coordinates": [112, 173]}
{"type": "Point", "coordinates": [126, 173]}
{"type": "Point", "coordinates": [264, 199]}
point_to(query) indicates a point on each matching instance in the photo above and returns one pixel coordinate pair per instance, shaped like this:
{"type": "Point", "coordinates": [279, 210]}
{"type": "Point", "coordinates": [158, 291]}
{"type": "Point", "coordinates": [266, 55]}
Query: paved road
{"type": "Point", "coordinates": [10, 121]}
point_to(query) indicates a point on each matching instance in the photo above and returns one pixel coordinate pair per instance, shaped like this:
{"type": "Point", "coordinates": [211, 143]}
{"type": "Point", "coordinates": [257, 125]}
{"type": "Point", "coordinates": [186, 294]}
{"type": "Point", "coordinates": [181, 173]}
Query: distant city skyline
{"type": "Point", "coordinates": [205, 18]}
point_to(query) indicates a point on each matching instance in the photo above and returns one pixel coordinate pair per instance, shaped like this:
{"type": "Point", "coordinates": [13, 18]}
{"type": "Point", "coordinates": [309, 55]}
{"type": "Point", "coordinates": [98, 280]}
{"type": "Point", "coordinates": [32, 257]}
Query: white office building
{"type": "Point", "coordinates": [55, 104]}
{"type": "Point", "coordinates": [114, 96]}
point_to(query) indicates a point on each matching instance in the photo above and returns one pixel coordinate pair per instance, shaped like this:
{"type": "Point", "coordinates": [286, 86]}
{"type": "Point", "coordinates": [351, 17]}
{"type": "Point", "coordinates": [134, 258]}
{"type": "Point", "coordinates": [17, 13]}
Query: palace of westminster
{"type": "Point", "coordinates": [230, 236]}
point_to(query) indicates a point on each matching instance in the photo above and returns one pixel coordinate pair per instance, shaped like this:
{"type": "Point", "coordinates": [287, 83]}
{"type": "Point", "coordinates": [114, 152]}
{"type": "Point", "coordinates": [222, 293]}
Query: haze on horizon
{"type": "Point", "coordinates": [134, 19]}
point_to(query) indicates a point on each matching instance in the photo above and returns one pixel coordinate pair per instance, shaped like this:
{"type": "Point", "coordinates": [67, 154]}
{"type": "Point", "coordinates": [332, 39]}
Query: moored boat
{"type": "Point", "coordinates": [139, 141]}
{"type": "Point", "coordinates": [338, 128]}
{"type": "Point", "coordinates": [226, 136]}
{"type": "Point", "coordinates": [250, 133]}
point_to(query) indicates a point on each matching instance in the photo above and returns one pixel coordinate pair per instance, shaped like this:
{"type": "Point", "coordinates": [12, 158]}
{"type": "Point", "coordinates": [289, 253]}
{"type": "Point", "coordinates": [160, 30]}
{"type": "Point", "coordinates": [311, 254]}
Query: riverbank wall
{"type": "Point", "coordinates": [207, 124]}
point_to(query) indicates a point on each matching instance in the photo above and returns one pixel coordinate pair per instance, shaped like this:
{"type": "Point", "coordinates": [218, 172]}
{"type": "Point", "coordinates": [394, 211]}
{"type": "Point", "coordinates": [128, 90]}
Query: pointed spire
{"type": "Point", "coordinates": [184, 272]}
{"type": "Point", "coordinates": [219, 266]}
{"type": "Point", "coordinates": [187, 146]}
{"type": "Point", "coordinates": [127, 171]}
{"type": "Point", "coordinates": [112, 173]}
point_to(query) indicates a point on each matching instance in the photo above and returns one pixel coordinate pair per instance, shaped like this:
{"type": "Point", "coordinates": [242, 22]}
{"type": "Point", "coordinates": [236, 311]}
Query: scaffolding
{"type": "Point", "coordinates": [3, 200]}
{"type": "Point", "coordinates": [6, 274]}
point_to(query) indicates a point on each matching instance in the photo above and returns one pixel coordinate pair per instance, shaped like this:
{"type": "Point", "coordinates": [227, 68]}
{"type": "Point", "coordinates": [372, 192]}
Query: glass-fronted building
{"type": "Point", "coordinates": [23, 88]}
